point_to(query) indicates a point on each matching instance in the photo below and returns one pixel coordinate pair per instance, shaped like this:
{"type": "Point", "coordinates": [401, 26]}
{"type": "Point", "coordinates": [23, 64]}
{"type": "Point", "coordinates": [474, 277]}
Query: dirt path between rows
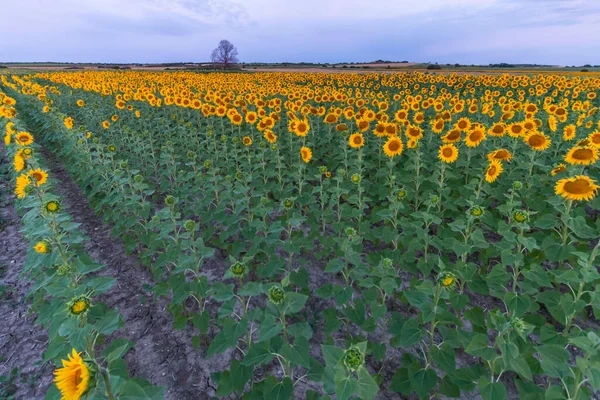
{"type": "Point", "coordinates": [21, 341]}
{"type": "Point", "coordinates": [161, 355]}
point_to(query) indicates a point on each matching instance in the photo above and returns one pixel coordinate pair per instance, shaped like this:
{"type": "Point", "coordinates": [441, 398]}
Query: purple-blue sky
{"type": "Point", "coordinates": [563, 32]}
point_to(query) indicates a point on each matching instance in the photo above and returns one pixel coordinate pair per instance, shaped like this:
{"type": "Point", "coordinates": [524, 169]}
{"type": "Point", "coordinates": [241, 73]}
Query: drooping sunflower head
{"type": "Point", "coordinates": [580, 187]}
{"type": "Point", "coordinates": [559, 169]}
{"type": "Point", "coordinates": [537, 141]}
{"type": "Point", "coordinates": [497, 130]}
{"type": "Point", "coordinates": [270, 136]}
{"type": "Point", "coordinates": [393, 147]}
{"type": "Point", "coordinates": [500, 154]}
{"type": "Point", "coordinates": [306, 154]}
{"type": "Point", "coordinates": [75, 378]}
{"type": "Point", "coordinates": [452, 137]}
{"type": "Point", "coordinates": [448, 153]}
{"type": "Point", "coordinates": [582, 155]}
{"type": "Point", "coordinates": [19, 163]}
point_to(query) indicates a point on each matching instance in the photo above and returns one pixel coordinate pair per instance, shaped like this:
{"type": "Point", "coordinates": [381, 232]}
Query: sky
{"type": "Point", "coordinates": [557, 32]}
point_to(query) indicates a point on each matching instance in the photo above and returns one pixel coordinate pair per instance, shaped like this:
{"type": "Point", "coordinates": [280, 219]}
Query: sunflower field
{"type": "Point", "coordinates": [331, 235]}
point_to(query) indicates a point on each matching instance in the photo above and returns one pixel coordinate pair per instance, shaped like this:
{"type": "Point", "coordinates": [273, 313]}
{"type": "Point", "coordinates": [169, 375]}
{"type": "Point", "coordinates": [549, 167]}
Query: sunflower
{"type": "Point", "coordinates": [302, 128]}
{"type": "Point", "coordinates": [52, 206]}
{"type": "Point", "coordinates": [569, 132]}
{"type": "Point", "coordinates": [393, 147]}
{"type": "Point", "coordinates": [270, 136]}
{"type": "Point", "coordinates": [580, 187]}
{"type": "Point", "coordinates": [452, 137]}
{"type": "Point", "coordinates": [21, 185]}
{"type": "Point", "coordinates": [45, 109]}
{"type": "Point", "coordinates": [537, 141]}
{"type": "Point", "coordinates": [19, 163]}
{"type": "Point", "coordinates": [582, 155]}
{"type": "Point", "coordinates": [552, 123]}
{"type": "Point", "coordinates": [493, 171]}
{"type": "Point", "coordinates": [559, 169]}
{"type": "Point", "coordinates": [463, 124]}
{"type": "Point", "coordinates": [247, 140]}
{"type": "Point", "coordinates": [516, 130]}
{"type": "Point", "coordinates": [80, 103]}
{"type": "Point", "coordinates": [501, 154]}
{"type": "Point", "coordinates": [105, 124]}
{"type": "Point", "coordinates": [306, 154]}
{"type": "Point", "coordinates": [251, 117]}
{"type": "Point", "coordinates": [437, 126]}
{"type": "Point", "coordinates": [39, 176]}
{"type": "Point", "coordinates": [594, 139]}
{"type": "Point", "coordinates": [362, 124]}
{"type": "Point", "coordinates": [448, 153]}
{"type": "Point", "coordinates": [401, 115]}
{"type": "Point", "coordinates": [236, 119]}
{"type": "Point", "coordinates": [414, 132]}
{"type": "Point", "coordinates": [475, 137]}
{"type": "Point", "coordinates": [114, 118]}
{"type": "Point", "coordinates": [341, 127]}
{"type": "Point", "coordinates": [412, 143]}
{"type": "Point", "coordinates": [379, 130]}
{"type": "Point", "coordinates": [41, 247]}
{"type": "Point", "coordinates": [331, 118]}
{"type": "Point", "coordinates": [356, 140]}
{"type": "Point", "coordinates": [73, 378]}
{"type": "Point", "coordinates": [7, 137]}
{"type": "Point", "coordinates": [24, 138]}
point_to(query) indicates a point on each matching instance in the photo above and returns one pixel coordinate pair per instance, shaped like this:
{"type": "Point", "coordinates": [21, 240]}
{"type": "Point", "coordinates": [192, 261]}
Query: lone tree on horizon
{"type": "Point", "coordinates": [225, 54]}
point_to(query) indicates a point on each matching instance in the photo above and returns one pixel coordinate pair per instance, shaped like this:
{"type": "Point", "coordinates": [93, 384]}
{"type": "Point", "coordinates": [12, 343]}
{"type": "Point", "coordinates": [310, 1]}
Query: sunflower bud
{"type": "Point", "coordinates": [138, 178]}
{"type": "Point", "coordinates": [288, 203]}
{"type": "Point", "coordinates": [64, 269]}
{"type": "Point", "coordinates": [191, 154]}
{"type": "Point", "coordinates": [238, 269]}
{"type": "Point", "coordinates": [264, 201]}
{"type": "Point", "coordinates": [517, 185]}
{"type": "Point", "coordinates": [435, 199]}
{"type": "Point", "coordinates": [476, 211]}
{"type": "Point", "coordinates": [387, 263]}
{"type": "Point", "coordinates": [207, 164]}
{"type": "Point", "coordinates": [276, 295]}
{"type": "Point", "coordinates": [239, 176]}
{"type": "Point", "coordinates": [520, 216]}
{"type": "Point", "coordinates": [189, 225]}
{"type": "Point", "coordinates": [322, 169]}
{"type": "Point", "coordinates": [273, 147]}
{"type": "Point", "coordinates": [353, 358]}
{"type": "Point", "coordinates": [223, 138]}
{"type": "Point", "coordinates": [235, 139]}
{"type": "Point", "coordinates": [518, 325]}
{"type": "Point", "coordinates": [447, 279]}
{"type": "Point", "coordinates": [170, 200]}
{"type": "Point", "coordinates": [350, 232]}
{"type": "Point", "coordinates": [401, 194]}
{"type": "Point", "coordinates": [112, 148]}
{"type": "Point", "coordinates": [123, 165]}
{"type": "Point", "coordinates": [356, 178]}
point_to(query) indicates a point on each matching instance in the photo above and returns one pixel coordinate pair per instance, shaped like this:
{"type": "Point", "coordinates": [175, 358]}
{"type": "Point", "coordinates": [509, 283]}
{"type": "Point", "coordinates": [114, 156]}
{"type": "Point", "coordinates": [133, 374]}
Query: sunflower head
{"type": "Point", "coordinates": [276, 295]}
{"type": "Point", "coordinates": [353, 358]}
{"type": "Point", "coordinates": [476, 212]}
{"type": "Point", "coordinates": [355, 178]}
{"type": "Point", "coordinates": [42, 247]}
{"type": "Point", "coordinates": [79, 306]}
{"type": "Point", "coordinates": [579, 187]}
{"type": "Point", "coordinates": [447, 279]}
{"type": "Point", "coordinates": [75, 378]}
{"type": "Point", "coordinates": [52, 206]}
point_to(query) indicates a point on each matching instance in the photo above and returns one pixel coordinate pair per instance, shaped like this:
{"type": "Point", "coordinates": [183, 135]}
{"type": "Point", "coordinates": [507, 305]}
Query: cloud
{"type": "Point", "coordinates": [465, 31]}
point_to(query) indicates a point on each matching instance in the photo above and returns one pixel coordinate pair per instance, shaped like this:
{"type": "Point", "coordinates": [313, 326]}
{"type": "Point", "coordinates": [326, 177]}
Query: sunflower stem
{"type": "Point", "coordinates": [109, 392]}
